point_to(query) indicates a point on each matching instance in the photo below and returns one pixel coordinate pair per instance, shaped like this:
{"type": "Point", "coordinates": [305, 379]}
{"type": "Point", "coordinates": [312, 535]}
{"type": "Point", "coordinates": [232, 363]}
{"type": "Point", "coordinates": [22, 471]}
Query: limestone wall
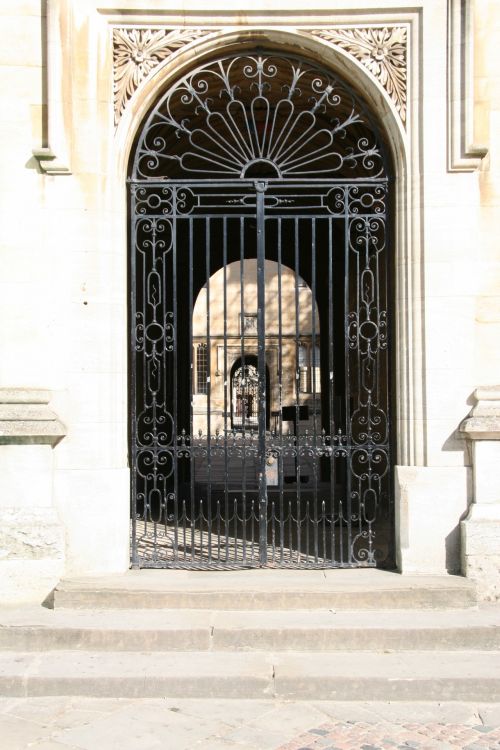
{"type": "Point", "coordinates": [63, 239]}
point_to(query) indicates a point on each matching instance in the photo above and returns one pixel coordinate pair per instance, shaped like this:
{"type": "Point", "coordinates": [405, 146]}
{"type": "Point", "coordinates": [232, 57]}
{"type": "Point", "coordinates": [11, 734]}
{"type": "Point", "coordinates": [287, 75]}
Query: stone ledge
{"type": "Point", "coordinates": [483, 422]}
{"type": "Point", "coordinates": [25, 418]}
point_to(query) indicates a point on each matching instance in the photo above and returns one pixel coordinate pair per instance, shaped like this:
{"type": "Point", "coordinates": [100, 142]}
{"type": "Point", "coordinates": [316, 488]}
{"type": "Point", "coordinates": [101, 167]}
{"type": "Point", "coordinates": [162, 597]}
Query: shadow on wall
{"type": "Point", "coordinates": [452, 544]}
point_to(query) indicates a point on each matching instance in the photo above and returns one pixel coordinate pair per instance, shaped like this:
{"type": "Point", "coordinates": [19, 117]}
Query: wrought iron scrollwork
{"type": "Point", "coordinates": [239, 114]}
{"type": "Point", "coordinates": [258, 193]}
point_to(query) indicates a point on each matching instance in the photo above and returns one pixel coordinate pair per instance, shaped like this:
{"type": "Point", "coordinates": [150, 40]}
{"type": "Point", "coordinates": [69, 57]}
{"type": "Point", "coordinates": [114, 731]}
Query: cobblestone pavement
{"type": "Point", "coordinates": [54, 723]}
{"type": "Point", "coordinates": [360, 735]}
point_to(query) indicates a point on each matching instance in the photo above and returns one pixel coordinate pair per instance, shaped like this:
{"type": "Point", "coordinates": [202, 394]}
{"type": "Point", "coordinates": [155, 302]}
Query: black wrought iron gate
{"type": "Point", "coordinates": [259, 367]}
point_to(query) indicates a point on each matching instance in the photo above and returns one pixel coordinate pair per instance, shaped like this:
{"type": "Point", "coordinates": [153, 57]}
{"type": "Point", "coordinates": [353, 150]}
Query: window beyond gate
{"type": "Point", "coordinates": [259, 332]}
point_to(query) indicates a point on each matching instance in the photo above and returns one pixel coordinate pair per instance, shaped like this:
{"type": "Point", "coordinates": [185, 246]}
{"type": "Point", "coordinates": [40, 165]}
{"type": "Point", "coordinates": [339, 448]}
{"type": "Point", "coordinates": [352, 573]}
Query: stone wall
{"type": "Point", "coordinates": [66, 139]}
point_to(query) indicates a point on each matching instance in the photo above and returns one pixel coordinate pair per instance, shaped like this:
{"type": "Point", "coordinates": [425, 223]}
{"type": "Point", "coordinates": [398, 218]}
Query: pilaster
{"type": "Point", "coordinates": [480, 531]}
{"type": "Point", "coordinates": [31, 535]}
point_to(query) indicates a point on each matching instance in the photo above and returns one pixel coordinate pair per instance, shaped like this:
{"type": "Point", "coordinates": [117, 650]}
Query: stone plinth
{"type": "Point", "coordinates": [31, 536]}
{"type": "Point", "coordinates": [480, 531]}
{"type": "Point", "coordinates": [429, 500]}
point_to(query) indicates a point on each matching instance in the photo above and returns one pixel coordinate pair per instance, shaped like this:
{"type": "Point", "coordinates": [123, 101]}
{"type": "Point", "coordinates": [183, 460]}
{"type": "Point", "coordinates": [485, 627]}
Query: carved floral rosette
{"type": "Point", "coordinates": [139, 51]}
{"type": "Point", "coordinates": [382, 50]}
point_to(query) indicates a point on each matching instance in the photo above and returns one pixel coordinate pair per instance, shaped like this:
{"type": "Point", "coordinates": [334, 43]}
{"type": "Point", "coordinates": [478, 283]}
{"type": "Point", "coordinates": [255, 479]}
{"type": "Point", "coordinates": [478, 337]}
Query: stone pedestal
{"type": "Point", "coordinates": [31, 536]}
{"type": "Point", "coordinates": [480, 531]}
{"type": "Point", "coordinates": [429, 500]}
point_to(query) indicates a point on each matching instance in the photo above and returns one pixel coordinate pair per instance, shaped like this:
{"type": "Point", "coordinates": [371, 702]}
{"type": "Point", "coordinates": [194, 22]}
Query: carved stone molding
{"type": "Point", "coordinates": [382, 50]}
{"type": "Point", "coordinates": [483, 422]}
{"type": "Point", "coordinates": [25, 418]}
{"type": "Point", "coordinates": [464, 153]}
{"type": "Point", "coordinates": [49, 163]}
{"type": "Point", "coordinates": [138, 51]}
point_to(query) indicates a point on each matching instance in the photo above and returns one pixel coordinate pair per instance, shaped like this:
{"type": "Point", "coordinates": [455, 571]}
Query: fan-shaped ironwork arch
{"type": "Point", "coordinates": [269, 164]}
{"type": "Point", "coordinates": [228, 115]}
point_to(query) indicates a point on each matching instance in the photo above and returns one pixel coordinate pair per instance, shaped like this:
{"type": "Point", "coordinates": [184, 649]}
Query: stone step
{"type": "Point", "coordinates": [344, 589]}
{"type": "Point", "coordinates": [347, 676]}
{"type": "Point", "coordinates": [40, 629]}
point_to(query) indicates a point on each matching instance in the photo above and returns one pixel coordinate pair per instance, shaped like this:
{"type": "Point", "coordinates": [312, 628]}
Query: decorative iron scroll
{"type": "Point", "coordinates": [196, 492]}
{"type": "Point", "coordinates": [259, 183]}
{"type": "Point", "coordinates": [382, 51]}
{"type": "Point", "coordinates": [136, 52]}
{"type": "Point", "coordinates": [236, 116]}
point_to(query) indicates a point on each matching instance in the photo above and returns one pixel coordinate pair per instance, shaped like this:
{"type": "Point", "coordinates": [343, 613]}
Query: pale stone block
{"type": "Point", "coordinates": [444, 279]}
{"type": "Point", "coordinates": [31, 552]}
{"type": "Point", "coordinates": [445, 393]}
{"type": "Point", "coordinates": [25, 476]}
{"type": "Point", "coordinates": [96, 276]}
{"type": "Point", "coordinates": [94, 507]}
{"type": "Point", "coordinates": [27, 356]}
{"type": "Point", "coordinates": [28, 580]}
{"type": "Point", "coordinates": [76, 194]}
{"type": "Point", "coordinates": [93, 446]}
{"type": "Point", "coordinates": [449, 234]}
{"type": "Point", "coordinates": [430, 502]}
{"type": "Point", "coordinates": [485, 571]}
{"type": "Point", "coordinates": [487, 360]}
{"type": "Point", "coordinates": [486, 457]}
{"type": "Point", "coordinates": [92, 397]}
{"type": "Point", "coordinates": [448, 190]}
{"type": "Point", "coordinates": [481, 529]}
{"type": "Point", "coordinates": [444, 443]}
{"type": "Point", "coordinates": [488, 311]}
{"type": "Point", "coordinates": [449, 337]}
{"type": "Point", "coordinates": [22, 8]}
{"type": "Point", "coordinates": [95, 336]}
{"type": "Point", "coordinates": [16, 111]}
{"type": "Point", "coordinates": [24, 47]}
{"type": "Point", "coordinates": [480, 535]}
{"type": "Point", "coordinates": [30, 534]}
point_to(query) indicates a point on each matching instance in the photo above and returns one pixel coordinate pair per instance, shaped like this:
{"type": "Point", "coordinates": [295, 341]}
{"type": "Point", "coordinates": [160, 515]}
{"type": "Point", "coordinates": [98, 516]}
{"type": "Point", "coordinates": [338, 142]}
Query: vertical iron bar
{"type": "Point", "coordinates": [209, 382]}
{"type": "Point", "coordinates": [280, 399]}
{"type": "Point", "coordinates": [296, 423]}
{"type": "Point", "coordinates": [175, 445]}
{"type": "Point", "coordinates": [331, 385]}
{"type": "Point", "coordinates": [313, 361]}
{"type": "Point", "coordinates": [192, 438]}
{"type": "Point", "coordinates": [133, 380]}
{"type": "Point", "coordinates": [226, 470]}
{"type": "Point", "coordinates": [261, 349]}
{"type": "Point", "coordinates": [243, 430]}
{"type": "Point", "coordinates": [147, 508]}
{"type": "Point", "coordinates": [347, 382]}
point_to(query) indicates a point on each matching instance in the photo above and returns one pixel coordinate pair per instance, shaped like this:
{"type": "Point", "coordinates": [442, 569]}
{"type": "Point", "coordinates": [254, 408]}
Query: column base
{"type": "Point", "coordinates": [430, 500]}
{"type": "Point", "coordinates": [31, 554]}
{"type": "Point", "coordinates": [480, 535]}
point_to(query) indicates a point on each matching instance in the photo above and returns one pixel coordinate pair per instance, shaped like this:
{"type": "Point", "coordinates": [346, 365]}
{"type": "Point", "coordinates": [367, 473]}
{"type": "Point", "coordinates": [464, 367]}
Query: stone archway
{"type": "Point", "coordinates": [264, 156]}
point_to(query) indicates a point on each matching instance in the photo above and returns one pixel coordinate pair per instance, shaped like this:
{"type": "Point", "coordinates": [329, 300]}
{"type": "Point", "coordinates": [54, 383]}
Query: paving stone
{"type": "Point", "coordinates": [186, 724]}
{"type": "Point", "coordinates": [47, 745]}
{"type": "Point", "coordinates": [264, 739]}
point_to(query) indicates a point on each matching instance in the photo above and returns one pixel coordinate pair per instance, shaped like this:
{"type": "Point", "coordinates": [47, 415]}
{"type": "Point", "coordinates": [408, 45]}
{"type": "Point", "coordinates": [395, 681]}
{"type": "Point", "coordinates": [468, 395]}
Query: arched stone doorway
{"type": "Point", "coordinates": [259, 159]}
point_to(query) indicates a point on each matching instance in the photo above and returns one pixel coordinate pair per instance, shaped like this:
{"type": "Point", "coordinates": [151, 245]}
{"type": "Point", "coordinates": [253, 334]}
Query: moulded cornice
{"type": "Point", "coordinates": [483, 422]}
{"type": "Point", "coordinates": [25, 418]}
